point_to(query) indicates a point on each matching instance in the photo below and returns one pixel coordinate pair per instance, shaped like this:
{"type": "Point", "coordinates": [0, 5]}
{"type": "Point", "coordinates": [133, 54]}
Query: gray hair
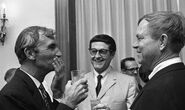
{"type": "Point", "coordinates": [29, 38]}
{"type": "Point", "coordinates": [170, 23]}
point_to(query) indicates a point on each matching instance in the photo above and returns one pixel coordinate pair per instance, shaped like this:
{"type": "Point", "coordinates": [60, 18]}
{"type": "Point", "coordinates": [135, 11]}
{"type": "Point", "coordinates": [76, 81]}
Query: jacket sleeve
{"type": "Point", "coordinates": [8, 104]}
{"type": "Point", "coordinates": [62, 106]}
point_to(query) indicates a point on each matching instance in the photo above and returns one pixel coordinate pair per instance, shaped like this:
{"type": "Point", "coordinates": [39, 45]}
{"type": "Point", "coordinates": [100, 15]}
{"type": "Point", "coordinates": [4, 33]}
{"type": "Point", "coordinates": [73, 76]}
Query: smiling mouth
{"type": "Point", "coordinates": [98, 61]}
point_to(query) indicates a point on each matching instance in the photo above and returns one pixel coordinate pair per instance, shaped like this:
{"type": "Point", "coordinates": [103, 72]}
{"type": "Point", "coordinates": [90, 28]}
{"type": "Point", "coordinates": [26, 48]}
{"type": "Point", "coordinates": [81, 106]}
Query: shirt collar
{"type": "Point", "coordinates": [37, 83]}
{"type": "Point", "coordinates": [103, 74]}
{"type": "Point", "coordinates": [164, 64]}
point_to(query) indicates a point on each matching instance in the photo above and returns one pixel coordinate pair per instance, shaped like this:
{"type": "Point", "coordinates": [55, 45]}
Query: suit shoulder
{"type": "Point", "coordinates": [126, 79]}
{"type": "Point", "coordinates": [124, 76]}
{"type": "Point", "coordinates": [15, 87]}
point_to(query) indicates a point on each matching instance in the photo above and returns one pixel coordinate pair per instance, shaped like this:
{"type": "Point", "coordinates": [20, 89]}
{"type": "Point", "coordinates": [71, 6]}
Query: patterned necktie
{"type": "Point", "coordinates": [45, 96]}
{"type": "Point", "coordinates": [98, 87]}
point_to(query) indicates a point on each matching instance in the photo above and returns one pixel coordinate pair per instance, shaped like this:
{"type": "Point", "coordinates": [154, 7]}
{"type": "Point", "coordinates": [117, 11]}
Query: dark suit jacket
{"type": "Point", "coordinates": [22, 94]}
{"type": "Point", "coordinates": [165, 90]}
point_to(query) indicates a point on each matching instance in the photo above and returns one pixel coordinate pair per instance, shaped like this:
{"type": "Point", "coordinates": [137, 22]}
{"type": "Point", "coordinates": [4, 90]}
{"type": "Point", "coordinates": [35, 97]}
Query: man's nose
{"type": "Point", "coordinates": [97, 54]}
{"type": "Point", "coordinates": [58, 53]}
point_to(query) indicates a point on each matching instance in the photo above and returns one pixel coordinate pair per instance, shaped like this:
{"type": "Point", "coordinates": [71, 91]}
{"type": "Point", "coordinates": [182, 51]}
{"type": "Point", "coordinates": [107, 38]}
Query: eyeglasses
{"type": "Point", "coordinates": [133, 69]}
{"type": "Point", "coordinates": [102, 52]}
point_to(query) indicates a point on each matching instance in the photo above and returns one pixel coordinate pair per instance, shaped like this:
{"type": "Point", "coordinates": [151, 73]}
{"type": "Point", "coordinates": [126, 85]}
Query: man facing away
{"type": "Point", "coordinates": [112, 89]}
{"type": "Point", "coordinates": [38, 55]}
{"type": "Point", "coordinates": [130, 67]}
{"type": "Point", "coordinates": [160, 38]}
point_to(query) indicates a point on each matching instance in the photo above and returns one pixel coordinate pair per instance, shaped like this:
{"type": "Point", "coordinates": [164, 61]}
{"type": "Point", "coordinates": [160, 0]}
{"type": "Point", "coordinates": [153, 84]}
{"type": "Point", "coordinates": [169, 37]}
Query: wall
{"type": "Point", "coordinates": [20, 14]}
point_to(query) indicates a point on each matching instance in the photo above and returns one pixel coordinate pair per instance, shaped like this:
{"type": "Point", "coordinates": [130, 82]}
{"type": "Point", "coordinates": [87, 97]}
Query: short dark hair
{"type": "Point", "coordinates": [106, 39]}
{"type": "Point", "coordinates": [122, 63]}
{"type": "Point", "coordinates": [29, 38]}
{"type": "Point", "coordinates": [170, 23]}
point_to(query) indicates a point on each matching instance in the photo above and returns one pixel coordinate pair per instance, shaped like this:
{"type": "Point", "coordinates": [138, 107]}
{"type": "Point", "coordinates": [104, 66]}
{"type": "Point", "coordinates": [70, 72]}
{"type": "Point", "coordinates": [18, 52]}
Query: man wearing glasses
{"type": "Point", "coordinates": [130, 67]}
{"type": "Point", "coordinates": [108, 89]}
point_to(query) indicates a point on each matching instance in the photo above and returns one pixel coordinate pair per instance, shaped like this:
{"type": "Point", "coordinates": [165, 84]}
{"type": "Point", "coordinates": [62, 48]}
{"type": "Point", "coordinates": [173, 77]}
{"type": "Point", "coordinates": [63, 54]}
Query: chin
{"type": "Point", "coordinates": [140, 60]}
{"type": "Point", "coordinates": [98, 65]}
{"type": "Point", "coordinates": [99, 70]}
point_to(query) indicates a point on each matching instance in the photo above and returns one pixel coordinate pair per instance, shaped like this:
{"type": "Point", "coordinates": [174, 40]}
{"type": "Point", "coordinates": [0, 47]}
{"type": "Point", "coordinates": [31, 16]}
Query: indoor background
{"type": "Point", "coordinates": [76, 22]}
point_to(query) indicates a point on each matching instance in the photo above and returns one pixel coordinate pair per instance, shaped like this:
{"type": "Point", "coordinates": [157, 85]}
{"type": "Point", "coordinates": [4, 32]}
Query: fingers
{"type": "Point", "coordinates": [81, 81]}
{"type": "Point", "coordinates": [81, 86]}
{"type": "Point", "coordinates": [58, 61]}
{"type": "Point", "coordinates": [101, 106]}
{"type": "Point", "coordinates": [83, 97]}
{"type": "Point", "coordinates": [58, 65]}
{"type": "Point", "coordinates": [76, 92]}
{"type": "Point", "coordinates": [82, 89]}
{"type": "Point", "coordinates": [68, 84]}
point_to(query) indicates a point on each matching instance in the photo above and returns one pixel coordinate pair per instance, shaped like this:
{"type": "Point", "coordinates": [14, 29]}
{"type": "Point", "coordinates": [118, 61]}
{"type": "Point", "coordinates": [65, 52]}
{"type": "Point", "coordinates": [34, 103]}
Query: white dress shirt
{"type": "Point", "coordinates": [104, 76]}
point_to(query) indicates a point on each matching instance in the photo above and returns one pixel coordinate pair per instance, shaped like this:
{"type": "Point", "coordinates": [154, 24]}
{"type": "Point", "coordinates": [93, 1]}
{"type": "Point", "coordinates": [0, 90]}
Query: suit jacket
{"type": "Point", "coordinates": [165, 90]}
{"type": "Point", "coordinates": [22, 94]}
{"type": "Point", "coordinates": [118, 91]}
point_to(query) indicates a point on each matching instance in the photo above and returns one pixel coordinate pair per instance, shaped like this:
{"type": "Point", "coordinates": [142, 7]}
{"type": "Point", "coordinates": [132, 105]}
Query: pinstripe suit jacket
{"type": "Point", "coordinates": [22, 94]}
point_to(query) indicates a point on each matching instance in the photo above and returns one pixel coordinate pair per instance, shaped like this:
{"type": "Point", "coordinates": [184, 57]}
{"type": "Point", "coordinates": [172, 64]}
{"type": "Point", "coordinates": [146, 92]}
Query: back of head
{"type": "Point", "coordinates": [9, 74]}
{"type": "Point", "coordinates": [106, 39]}
{"type": "Point", "coordinates": [29, 38]}
{"type": "Point", "coordinates": [169, 23]}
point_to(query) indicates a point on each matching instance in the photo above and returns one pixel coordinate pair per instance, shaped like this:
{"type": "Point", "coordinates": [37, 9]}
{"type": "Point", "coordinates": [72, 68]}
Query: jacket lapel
{"type": "Point", "coordinates": [160, 73]}
{"type": "Point", "coordinates": [92, 85]}
{"type": "Point", "coordinates": [36, 96]}
{"type": "Point", "coordinates": [166, 70]}
{"type": "Point", "coordinates": [110, 81]}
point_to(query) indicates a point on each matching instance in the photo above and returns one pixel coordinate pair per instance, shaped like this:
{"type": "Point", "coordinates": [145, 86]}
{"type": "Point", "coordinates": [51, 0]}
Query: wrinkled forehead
{"type": "Point", "coordinates": [142, 27]}
{"type": "Point", "coordinates": [49, 33]}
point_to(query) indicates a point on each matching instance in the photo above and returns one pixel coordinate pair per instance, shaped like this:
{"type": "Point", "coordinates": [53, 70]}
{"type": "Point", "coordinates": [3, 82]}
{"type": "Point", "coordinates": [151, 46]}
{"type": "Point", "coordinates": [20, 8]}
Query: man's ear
{"type": "Point", "coordinates": [30, 53]}
{"type": "Point", "coordinates": [163, 41]}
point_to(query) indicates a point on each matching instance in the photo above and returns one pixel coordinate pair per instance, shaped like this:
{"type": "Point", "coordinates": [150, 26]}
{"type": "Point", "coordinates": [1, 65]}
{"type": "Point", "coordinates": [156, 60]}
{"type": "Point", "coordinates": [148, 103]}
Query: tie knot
{"type": "Point", "coordinates": [99, 77]}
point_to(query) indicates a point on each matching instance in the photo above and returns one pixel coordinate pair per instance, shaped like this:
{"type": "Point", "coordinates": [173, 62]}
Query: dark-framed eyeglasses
{"type": "Point", "coordinates": [133, 69]}
{"type": "Point", "coordinates": [102, 52]}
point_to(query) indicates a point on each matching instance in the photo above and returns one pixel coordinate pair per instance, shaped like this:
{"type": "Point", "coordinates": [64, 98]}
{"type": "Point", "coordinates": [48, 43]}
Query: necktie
{"type": "Point", "coordinates": [98, 87]}
{"type": "Point", "coordinates": [45, 96]}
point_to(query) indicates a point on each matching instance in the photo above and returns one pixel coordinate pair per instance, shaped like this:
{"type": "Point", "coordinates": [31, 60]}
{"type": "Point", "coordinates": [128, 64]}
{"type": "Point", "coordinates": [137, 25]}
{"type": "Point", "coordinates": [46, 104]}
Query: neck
{"type": "Point", "coordinates": [33, 71]}
{"type": "Point", "coordinates": [164, 57]}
